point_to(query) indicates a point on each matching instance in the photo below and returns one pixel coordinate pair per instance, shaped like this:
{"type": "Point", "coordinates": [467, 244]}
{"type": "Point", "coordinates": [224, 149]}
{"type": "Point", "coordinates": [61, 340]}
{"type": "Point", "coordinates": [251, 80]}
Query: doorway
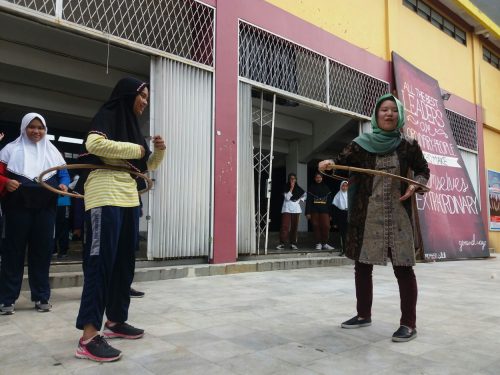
{"type": "Point", "coordinates": [65, 77]}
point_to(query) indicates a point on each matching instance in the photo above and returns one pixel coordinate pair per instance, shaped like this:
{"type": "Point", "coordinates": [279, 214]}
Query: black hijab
{"type": "Point", "coordinates": [117, 121]}
{"type": "Point", "coordinates": [297, 191]}
{"type": "Point", "coordinates": [320, 190]}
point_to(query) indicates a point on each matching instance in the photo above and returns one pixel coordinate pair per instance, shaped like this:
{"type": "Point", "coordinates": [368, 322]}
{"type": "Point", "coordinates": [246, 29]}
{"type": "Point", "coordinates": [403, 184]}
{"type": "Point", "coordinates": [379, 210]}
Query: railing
{"type": "Point", "coordinates": [272, 61]}
{"type": "Point", "coordinates": [183, 28]}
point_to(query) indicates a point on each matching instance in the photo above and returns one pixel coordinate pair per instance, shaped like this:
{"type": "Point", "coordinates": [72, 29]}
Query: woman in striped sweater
{"type": "Point", "coordinates": [112, 218]}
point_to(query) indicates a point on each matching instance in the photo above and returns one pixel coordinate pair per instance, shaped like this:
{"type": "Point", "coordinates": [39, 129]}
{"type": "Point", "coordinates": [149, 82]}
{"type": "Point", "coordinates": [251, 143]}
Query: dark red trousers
{"type": "Point", "coordinates": [407, 292]}
{"type": "Point", "coordinates": [321, 227]}
{"type": "Point", "coordinates": [289, 225]}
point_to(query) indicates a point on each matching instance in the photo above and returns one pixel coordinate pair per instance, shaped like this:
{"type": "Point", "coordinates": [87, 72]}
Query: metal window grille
{"type": "Point", "coordinates": [276, 62]}
{"type": "Point", "coordinates": [182, 27]}
{"type": "Point", "coordinates": [273, 61]}
{"type": "Point", "coordinates": [354, 91]}
{"type": "Point", "coordinates": [263, 124]}
{"type": "Point", "coordinates": [44, 6]}
{"type": "Point", "coordinates": [463, 129]}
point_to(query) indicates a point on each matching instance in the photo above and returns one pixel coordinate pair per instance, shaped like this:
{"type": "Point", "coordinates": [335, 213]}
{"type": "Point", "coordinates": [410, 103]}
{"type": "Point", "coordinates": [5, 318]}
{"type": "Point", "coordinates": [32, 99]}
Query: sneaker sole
{"type": "Point", "coordinates": [114, 335]}
{"type": "Point", "coordinates": [136, 296]}
{"type": "Point", "coordinates": [86, 355]}
{"type": "Point", "coordinates": [404, 339]}
{"type": "Point", "coordinates": [353, 326]}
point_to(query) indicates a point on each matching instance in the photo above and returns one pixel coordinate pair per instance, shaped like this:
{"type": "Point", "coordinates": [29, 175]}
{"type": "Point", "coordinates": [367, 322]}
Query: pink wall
{"type": "Point", "coordinates": [285, 25]}
{"type": "Point", "coordinates": [226, 116]}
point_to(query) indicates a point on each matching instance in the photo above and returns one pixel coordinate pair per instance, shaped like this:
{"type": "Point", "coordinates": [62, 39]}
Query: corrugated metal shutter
{"type": "Point", "coordinates": [246, 187]}
{"type": "Point", "coordinates": [180, 204]}
{"type": "Point", "coordinates": [470, 161]}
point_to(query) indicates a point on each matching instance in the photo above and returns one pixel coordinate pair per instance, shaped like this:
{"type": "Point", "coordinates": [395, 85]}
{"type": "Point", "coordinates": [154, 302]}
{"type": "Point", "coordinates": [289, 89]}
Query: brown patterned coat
{"type": "Point", "coordinates": [361, 187]}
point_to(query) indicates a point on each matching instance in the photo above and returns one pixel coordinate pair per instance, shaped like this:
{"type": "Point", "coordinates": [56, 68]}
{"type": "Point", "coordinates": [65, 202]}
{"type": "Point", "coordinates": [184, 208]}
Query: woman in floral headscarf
{"type": "Point", "coordinates": [379, 211]}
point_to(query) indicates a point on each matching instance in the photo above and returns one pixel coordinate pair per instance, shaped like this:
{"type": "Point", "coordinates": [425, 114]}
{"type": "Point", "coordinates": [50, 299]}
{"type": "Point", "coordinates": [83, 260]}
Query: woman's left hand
{"type": "Point", "coordinates": [159, 143]}
{"type": "Point", "coordinates": [63, 187]}
{"type": "Point", "coordinates": [409, 192]}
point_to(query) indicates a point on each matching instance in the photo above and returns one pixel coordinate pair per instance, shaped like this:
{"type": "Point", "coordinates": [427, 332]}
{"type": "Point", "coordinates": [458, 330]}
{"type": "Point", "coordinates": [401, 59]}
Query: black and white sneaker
{"type": "Point", "coordinates": [356, 322]}
{"type": "Point", "coordinates": [135, 293]}
{"type": "Point", "coordinates": [97, 350]}
{"type": "Point", "coordinates": [43, 306]}
{"type": "Point", "coordinates": [280, 247]}
{"type": "Point", "coordinates": [404, 334]}
{"type": "Point", "coordinates": [7, 309]}
{"type": "Point", "coordinates": [123, 331]}
{"type": "Point", "coordinates": [294, 247]}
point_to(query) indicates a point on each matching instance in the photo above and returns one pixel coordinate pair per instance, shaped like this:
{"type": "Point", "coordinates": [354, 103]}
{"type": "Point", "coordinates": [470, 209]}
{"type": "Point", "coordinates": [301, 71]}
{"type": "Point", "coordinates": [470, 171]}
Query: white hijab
{"type": "Point", "coordinates": [340, 199]}
{"type": "Point", "coordinates": [28, 159]}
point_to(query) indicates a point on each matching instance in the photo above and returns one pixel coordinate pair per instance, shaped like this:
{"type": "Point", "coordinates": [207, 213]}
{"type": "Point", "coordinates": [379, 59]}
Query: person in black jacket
{"type": "Point", "coordinates": [319, 200]}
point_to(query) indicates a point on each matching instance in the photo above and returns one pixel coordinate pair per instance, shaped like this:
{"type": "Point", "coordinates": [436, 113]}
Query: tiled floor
{"type": "Point", "coordinates": [281, 322]}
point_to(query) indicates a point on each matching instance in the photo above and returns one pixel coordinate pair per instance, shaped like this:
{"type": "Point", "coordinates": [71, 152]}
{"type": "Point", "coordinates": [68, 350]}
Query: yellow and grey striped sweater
{"type": "Point", "coordinates": [113, 188]}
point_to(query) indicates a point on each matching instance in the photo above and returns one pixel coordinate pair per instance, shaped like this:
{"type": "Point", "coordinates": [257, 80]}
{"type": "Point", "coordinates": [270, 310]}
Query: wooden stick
{"type": "Point", "coordinates": [149, 182]}
{"type": "Point", "coordinates": [420, 188]}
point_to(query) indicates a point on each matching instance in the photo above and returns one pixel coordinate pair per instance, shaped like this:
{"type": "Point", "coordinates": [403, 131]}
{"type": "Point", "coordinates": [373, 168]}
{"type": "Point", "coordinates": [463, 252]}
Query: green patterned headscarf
{"type": "Point", "coordinates": [380, 141]}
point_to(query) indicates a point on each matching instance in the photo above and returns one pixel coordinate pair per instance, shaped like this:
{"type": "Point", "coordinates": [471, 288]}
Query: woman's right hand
{"type": "Point", "coordinates": [326, 165]}
{"type": "Point", "coordinates": [12, 185]}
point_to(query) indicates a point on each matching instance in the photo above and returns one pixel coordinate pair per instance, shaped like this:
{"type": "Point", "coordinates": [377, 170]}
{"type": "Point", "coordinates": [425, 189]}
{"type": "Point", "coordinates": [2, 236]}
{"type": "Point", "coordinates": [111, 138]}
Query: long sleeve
{"type": "Point", "coordinates": [3, 179]}
{"type": "Point", "coordinates": [63, 177]}
{"type": "Point", "coordinates": [155, 159]}
{"type": "Point", "coordinates": [98, 145]}
{"type": "Point", "coordinates": [419, 164]}
{"type": "Point", "coordinates": [309, 202]}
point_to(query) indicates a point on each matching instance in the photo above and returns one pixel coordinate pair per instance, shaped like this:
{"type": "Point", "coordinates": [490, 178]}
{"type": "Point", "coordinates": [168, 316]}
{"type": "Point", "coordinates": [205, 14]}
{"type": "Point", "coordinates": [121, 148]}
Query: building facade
{"type": "Point", "coordinates": [245, 91]}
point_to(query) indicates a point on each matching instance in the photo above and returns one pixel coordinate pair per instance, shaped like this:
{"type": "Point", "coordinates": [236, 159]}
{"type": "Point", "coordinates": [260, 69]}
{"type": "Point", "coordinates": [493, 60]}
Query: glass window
{"type": "Point", "coordinates": [412, 4]}
{"type": "Point", "coordinates": [424, 10]}
{"type": "Point", "coordinates": [449, 28]}
{"type": "Point", "coordinates": [460, 35]}
{"type": "Point", "coordinates": [436, 19]}
{"type": "Point", "coordinates": [494, 60]}
{"type": "Point", "coordinates": [486, 55]}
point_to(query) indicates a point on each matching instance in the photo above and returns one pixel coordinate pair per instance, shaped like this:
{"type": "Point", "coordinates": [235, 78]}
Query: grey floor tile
{"type": "Point", "coordinates": [280, 322]}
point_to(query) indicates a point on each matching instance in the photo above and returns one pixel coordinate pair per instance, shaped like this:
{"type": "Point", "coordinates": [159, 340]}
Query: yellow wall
{"type": "Point", "coordinates": [490, 96]}
{"type": "Point", "coordinates": [492, 161]}
{"type": "Point", "coordinates": [431, 50]}
{"type": "Point", "coordinates": [364, 24]}
{"type": "Point", "coordinates": [360, 22]}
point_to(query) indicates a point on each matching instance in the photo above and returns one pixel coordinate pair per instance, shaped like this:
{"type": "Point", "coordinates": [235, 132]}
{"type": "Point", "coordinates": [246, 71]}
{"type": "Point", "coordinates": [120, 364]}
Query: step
{"type": "Point", "coordinates": [152, 270]}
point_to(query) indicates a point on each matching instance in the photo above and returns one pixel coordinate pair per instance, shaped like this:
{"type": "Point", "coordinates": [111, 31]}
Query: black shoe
{"type": "Point", "coordinates": [43, 306]}
{"type": "Point", "coordinates": [62, 256]}
{"type": "Point", "coordinates": [404, 334]}
{"type": "Point", "coordinates": [355, 322]}
{"type": "Point", "coordinates": [135, 293]}
{"type": "Point", "coordinates": [97, 350]}
{"type": "Point", "coordinates": [7, 309]}
{"type": "Point", "coordinates": [122, 330]}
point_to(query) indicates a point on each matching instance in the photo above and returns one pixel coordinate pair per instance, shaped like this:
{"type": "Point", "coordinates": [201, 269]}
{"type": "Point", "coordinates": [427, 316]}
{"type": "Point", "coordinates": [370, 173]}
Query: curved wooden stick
{"type": "Point", "coordinates": [149, 182]}
{"type": "Point", "coordinates": [420, 188]}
